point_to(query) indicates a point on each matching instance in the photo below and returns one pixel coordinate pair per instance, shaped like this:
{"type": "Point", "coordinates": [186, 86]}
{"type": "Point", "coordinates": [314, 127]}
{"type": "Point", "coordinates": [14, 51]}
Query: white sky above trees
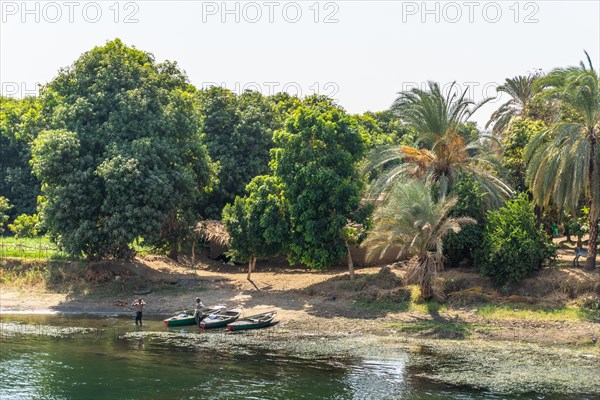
{"type": "Point", "coordinates": [360, 52]}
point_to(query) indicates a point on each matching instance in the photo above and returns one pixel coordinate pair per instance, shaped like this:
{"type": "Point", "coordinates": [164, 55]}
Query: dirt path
{"type": "Point", "coordinates": [305, 300]}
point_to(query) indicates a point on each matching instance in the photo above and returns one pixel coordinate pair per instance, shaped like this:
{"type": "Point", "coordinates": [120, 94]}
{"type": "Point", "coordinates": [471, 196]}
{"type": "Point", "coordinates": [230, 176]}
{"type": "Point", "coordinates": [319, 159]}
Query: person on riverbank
{"type": "Point", "coordinates": [198, 310]}
{"type": "Point", "coordinates": [139, 307]}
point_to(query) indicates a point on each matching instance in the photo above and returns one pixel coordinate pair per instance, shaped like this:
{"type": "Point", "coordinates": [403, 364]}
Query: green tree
{"type": "Point", "coordinates": [439, 121]}
{"type": "Point", "coordinates": [26, 226]}
{"type": "Point", "coordinates": [20, 123]}
{"type": "Point", "coordinates": [411, 222]}
{"type": "Point", "coordinates": [5, 207]}
{"type": "Point", "coordinates": [238, 131]}
{"type": "Point", "coordinates": [470, 203]}
{"type": "Point", "coordinates": [315, 159]}
{"type": "Point", "coordinates": [257, 223]}
{"type": "Point", "coordinates": [392, 126]}
{"type": "Point", "coordinates": [521, 90]}
{"type": "Point", "coordinates": [564, 160]}
{"type": "Point", "coordinates": [516, 138]}
{"type": "Point", "coordinates": [127, 161]}
{"type": "Point", "coordinates": [513, 244]}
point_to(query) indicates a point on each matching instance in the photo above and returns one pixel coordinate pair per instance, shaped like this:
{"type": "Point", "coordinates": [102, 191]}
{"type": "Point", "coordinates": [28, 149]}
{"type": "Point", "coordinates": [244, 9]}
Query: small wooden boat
{"type": "Point", "coordinates": [186, 317]}
{"type": "Point", "coordinates": [220, 319]}
{"type": "Point", "coordinates": [253, 322]}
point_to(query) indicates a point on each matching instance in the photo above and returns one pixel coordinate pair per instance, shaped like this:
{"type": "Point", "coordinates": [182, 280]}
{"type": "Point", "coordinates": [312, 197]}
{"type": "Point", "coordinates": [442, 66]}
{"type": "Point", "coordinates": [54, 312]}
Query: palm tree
{"type": "Point", "coordinates": [438, 119]}
{"type": "Point", "coordinates": [410, 222]}
{"type": "Point", "coordinates": [521, 89]}
{"type": "Point", "coordinates": [564, 160]}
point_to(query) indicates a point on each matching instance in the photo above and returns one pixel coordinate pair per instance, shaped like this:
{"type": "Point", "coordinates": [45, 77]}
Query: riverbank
{"type": "Point", "coordinates": [555, 306]}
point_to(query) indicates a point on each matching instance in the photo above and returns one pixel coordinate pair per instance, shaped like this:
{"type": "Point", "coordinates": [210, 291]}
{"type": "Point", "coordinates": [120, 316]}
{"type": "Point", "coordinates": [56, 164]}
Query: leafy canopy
{"type": "Point", "coordinates": [315, 159]}
{"type": "Point", "coordinates": [257, 223]}
{"type": "Point", "coordinates": [125, 160]}
{"type": "Point", "coordinates": [238, 132]}
{"type": "Point", "coordinates": [20, 123]}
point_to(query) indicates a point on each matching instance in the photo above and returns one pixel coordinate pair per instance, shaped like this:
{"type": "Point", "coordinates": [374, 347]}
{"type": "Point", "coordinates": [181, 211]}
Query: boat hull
{"type": "Point", "coordinates": [189, 319]}
{"type": "Point", "coordinates": [221, 320]}
{"type": "Point", "coordinates": [253, 322]}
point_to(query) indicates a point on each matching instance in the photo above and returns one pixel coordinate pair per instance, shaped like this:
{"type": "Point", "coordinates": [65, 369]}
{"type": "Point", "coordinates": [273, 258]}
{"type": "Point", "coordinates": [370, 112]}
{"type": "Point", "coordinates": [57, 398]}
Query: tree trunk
{"type": "Point", "coordinates": [590, 262]}
{"type": "Point", "coordinates": [350, 263]}
{"type": "Point", "coordinates": [194, 253]}
{"type": "Point", "coordinates": [251, 266]}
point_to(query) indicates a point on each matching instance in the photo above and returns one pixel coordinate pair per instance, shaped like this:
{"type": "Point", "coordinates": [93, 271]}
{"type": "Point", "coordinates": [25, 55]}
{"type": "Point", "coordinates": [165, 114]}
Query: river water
{"type": "Point", "coordinates": [52, 357]}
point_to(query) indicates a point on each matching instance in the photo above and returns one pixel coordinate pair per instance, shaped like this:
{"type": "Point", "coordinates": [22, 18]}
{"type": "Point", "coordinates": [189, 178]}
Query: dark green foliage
{"type": "Point", "coordinates": [517, 136]}
{"type": "Point", "coordinates": [315, 159]}
{"type": "Point", "coordinates": [257, 223]}
{"type": "Point", "coordinates": [512, 244]}
{"type": "Point", "coordinates": [238, 131]}
{"type": "Point", "coordinates": [128, 161]}
{"type": "Point", "coordinates": [5, 207]}
{"type": "Point", "coordinates": [393, 127]}
{"type": "Point", "coordinates": [20, 123]}
{"type": "Point", "coordinates": [462, 245]}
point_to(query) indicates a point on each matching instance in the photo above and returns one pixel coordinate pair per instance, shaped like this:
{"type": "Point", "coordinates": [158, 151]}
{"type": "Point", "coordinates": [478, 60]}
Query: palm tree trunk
{"type": "Point", "coordinates": [590, 262]}
{"type": "Point", "coordinates": [350, 263]}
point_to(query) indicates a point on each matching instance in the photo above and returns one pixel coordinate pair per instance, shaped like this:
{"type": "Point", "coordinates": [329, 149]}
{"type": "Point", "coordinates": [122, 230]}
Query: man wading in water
{"type": "Point", "coordinates": [139, 306]}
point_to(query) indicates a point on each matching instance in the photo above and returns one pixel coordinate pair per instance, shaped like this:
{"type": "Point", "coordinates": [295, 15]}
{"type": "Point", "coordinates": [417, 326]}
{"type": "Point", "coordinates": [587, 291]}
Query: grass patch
{"type": "Point", "coordinates": [411, 301]}
{"type": "Point", "coordinates": [508, 311]}
{"type": "Point", "coordinates": [446, 329]}
{"type": "Point", "coordinates": [379, 305]}
{"type": "Point", "coordinates": [38, 248]}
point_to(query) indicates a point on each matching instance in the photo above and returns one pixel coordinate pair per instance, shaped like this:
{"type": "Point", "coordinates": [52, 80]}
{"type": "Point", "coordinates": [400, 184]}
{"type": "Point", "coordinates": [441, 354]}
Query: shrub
{"type": "Point", "coordinates": [512, 244]}
{"type": "Point", "coordinates": [25, 226]}
{"type": "Point", "coordinates": [4, 209]}
{"type": "Point", "coordinates": [462, 245]}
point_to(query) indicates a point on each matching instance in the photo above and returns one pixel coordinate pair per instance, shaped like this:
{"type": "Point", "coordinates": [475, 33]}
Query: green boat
{"type": "Point", "coordinates": [186, 317]}
{"type": "Point", "coordinates": [220, 319]}
{"type": "Point", "coordinates": [253, 322]}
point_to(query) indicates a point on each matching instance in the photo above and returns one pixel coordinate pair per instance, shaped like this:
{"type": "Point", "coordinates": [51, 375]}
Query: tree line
{"type": "Point", "coordinates": [119, 149]}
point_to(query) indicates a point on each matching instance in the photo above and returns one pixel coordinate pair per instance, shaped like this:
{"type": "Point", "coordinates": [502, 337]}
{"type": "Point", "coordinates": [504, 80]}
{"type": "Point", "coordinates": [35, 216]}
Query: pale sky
{"type": "Point", "coordinates": [362, 53]}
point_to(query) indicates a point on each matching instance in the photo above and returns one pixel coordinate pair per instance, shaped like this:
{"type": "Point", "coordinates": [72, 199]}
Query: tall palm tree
{"type": "Point", "coordinates": [521, 90]}
{"type": "Point", "coordinates": [438, 118]}
{"type": "Point", "coordinates": [564, 160]}
{"type": "Point", "coordinates": [410, 222]}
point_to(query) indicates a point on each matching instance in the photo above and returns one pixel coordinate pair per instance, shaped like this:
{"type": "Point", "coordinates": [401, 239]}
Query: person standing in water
{"type": "Point", "coordinates": [198, 311]}
{"type": "Point", "coordinates": [139, 307]}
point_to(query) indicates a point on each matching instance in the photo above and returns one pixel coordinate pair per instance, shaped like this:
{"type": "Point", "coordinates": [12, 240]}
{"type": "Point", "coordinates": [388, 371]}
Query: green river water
{"type": "Point", "coordinates": [52, 357]}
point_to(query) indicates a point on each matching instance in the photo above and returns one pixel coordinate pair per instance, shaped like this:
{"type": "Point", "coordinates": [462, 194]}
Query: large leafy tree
{"type": "Point", "coordinates": [257, 223]}
{"type": "Point", "coordinates": [315, 158]}
{"type": "Point", "coordinates": [411, 222]}
{"type": "Point", "coordinates": [440, 121]}
{"type": "Point", "coordinates": [516, 138]}
{"type": "Point", "coordinates": [521, 90]}
{"type": "Point", "coordinates": [127, 161]}
{"type": "Point", "coordinates": [20, 123]}
{"type": "Point", "coordinates": [564, 160]}
{"type": "Point", "coordinates": [238, 131]}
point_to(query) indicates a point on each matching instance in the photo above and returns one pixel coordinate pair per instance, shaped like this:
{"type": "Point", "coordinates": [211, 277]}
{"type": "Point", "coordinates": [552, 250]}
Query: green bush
{"type": "Point", "coordinates": [4, 209]}
{"type": "Point", "coordinates": [25, 226]}
{"type": "Point", "coordinates": [462, 246]}
{"type": "Point", "coordinates": [512, 244]}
